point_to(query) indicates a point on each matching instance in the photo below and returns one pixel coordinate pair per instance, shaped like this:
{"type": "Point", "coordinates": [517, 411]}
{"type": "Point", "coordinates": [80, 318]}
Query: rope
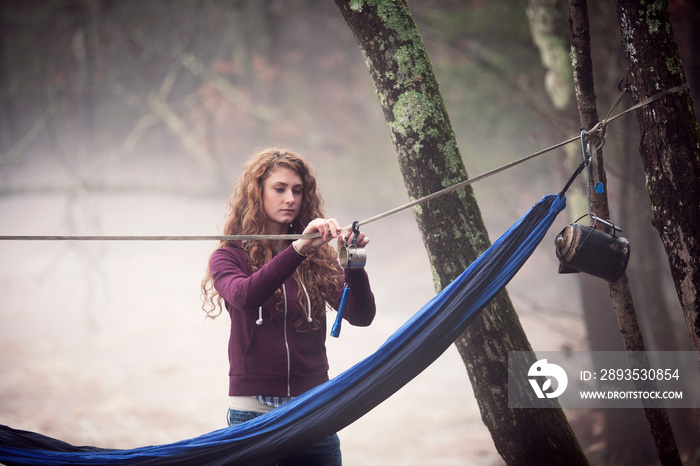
{"type": "Point", "coordinates": [598, 131]}
{"type": "Point", "coordinates": [600, 127]}
{"type": "Point", "coordinates": [464, 183]}
{"type": "Point", "coordinates": [152, 238]}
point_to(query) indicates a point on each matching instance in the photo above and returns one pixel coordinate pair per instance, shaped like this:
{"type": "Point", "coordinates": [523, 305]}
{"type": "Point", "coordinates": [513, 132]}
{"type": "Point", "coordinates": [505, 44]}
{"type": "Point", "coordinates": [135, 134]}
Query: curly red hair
{"type": "Point", "coordinates": [247, 217]}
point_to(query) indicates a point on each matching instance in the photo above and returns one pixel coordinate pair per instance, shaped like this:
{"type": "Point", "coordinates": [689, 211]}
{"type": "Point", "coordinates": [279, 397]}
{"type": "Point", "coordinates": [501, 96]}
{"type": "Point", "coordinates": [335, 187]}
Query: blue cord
{"type": "Point", "coordinates": [335, 331]}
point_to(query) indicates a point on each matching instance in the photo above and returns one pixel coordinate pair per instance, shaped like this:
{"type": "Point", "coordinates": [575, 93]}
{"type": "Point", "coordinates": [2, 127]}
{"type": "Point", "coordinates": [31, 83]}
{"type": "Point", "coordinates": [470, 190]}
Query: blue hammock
{"type": "Point", "coordinates": [332, 406]}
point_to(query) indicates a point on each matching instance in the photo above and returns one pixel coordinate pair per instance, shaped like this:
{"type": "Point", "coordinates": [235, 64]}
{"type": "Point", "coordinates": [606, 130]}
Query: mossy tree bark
{"type": "Point", "coordinates": [657, 416]}
{"type": "Point", "coordinates": [670, 144]}
{"type": "Point", "coordinates": [451, 225]}
{"type": "Point", "coordinates": [626, 435]}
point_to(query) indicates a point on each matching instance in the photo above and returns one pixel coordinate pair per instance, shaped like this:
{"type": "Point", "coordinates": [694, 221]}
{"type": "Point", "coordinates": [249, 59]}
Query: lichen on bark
{"type": "Point", "coordinates": [670, 144]}
{"type": "Point", "coordinates": [430, 160]}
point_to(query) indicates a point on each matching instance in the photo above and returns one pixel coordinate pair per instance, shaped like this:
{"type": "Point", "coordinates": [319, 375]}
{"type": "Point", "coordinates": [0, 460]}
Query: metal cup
{"type": "Point", "coordinates": [582, 248]}
{"type": "Point", "coordinates": [352, 257]}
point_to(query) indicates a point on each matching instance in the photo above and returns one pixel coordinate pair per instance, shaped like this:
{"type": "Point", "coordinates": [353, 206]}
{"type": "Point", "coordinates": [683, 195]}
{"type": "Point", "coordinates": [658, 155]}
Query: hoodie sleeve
{"type": "Point", "coordinates": [234, 282]}
{"type": "Point", "coordinates": [361, 307]}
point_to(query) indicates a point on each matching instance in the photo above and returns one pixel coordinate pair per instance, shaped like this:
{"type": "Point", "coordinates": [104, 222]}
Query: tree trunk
{"type": "Point", "coordinates": [670, 144]}
{"type": "Point", "coordinates": [685, 17]}
{"type": "Point", "coordinates": [648, 276]}
{"type": "Point", "coordinates": [627, 438]}
{"type": "Point", "coordinates": [548, 28]}
{"type": "Point", "coordinates": [657, 416]}
{"type": "Point", "coordinates": [452, 227]}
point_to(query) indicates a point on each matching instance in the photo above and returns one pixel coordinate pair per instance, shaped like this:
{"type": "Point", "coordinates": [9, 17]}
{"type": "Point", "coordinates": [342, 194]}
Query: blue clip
{"type": "Point", "coordinates": [335, 331]}
{"type": "Point", "coordinates": [599, 188]}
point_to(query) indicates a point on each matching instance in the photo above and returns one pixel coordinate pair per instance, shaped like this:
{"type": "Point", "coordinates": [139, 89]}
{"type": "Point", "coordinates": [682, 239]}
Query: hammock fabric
{"type": "Point", "coordinates": [332, 406]}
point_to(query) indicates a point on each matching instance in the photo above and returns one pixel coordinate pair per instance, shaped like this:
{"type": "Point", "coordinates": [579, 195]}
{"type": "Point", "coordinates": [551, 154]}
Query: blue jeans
{"type": "Point", "coordinates": [323, 453]}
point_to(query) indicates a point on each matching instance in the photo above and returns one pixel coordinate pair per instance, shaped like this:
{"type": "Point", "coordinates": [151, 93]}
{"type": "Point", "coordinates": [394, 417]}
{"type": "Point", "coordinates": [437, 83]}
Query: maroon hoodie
{"type": "Point", "coordinates": [267, 354]}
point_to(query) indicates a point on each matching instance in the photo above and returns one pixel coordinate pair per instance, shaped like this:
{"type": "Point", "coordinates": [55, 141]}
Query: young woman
{"type": "Point", "coordinates": [276, 291]}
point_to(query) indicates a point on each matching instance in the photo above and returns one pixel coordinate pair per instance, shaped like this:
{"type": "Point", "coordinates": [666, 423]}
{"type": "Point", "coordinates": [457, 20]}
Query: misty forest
{"type": "Point", "coordinates": [125, 117]}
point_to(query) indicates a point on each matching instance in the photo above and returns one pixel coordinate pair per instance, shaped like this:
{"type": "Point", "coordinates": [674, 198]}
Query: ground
{"type": "Point", "coordinates": [105, 344]}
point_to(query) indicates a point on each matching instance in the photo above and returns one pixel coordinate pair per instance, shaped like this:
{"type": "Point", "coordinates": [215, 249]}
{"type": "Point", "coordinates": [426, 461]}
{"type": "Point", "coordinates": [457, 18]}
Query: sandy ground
{"type": "Point", "coordinates": [105, 344]}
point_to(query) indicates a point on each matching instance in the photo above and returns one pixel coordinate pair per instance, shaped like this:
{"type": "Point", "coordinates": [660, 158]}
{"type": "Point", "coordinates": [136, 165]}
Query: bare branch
{"type": "Point", "coordinates": [18, 150]}
{"type": "Point", "coordinates": [229, 91]}
{"type": "Point", "coordinates": [179, 129]}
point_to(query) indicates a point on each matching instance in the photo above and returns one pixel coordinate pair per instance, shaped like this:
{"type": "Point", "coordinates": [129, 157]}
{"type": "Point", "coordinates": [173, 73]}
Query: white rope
{"type": "Point", "coordinates": [598, 130]}
{"type": "Point", "coordinates": [151, 238]}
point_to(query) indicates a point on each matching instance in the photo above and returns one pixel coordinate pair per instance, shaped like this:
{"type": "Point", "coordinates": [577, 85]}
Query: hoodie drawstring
{"type": "Point", "coordinates": [308, 305]}
{"type": "Point", "coordinates": [308, 302]}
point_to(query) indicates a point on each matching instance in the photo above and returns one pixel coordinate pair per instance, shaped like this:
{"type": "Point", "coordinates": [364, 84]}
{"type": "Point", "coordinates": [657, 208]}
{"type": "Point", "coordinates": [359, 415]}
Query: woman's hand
{"type": "Point", "coordinates": [348, 237]}
{"type": "Point", "coordinates": [327, 228]}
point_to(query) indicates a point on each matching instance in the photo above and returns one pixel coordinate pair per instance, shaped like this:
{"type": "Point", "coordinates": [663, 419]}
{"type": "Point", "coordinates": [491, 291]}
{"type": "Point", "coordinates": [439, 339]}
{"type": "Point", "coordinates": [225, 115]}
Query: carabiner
{"type": "Point", "coordinates": [355, 231]}
{"type": "Point", "coordinates": [584, 147]}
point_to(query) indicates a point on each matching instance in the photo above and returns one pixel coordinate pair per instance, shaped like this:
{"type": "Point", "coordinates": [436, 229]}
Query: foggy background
{"type": "Point", "coordinates": [134, 118]}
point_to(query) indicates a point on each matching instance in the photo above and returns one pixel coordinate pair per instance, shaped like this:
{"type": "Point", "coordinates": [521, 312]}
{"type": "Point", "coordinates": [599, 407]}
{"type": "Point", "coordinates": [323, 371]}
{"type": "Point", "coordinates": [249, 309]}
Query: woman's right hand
{"type": "Point", "coordinates": [327, 229]}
